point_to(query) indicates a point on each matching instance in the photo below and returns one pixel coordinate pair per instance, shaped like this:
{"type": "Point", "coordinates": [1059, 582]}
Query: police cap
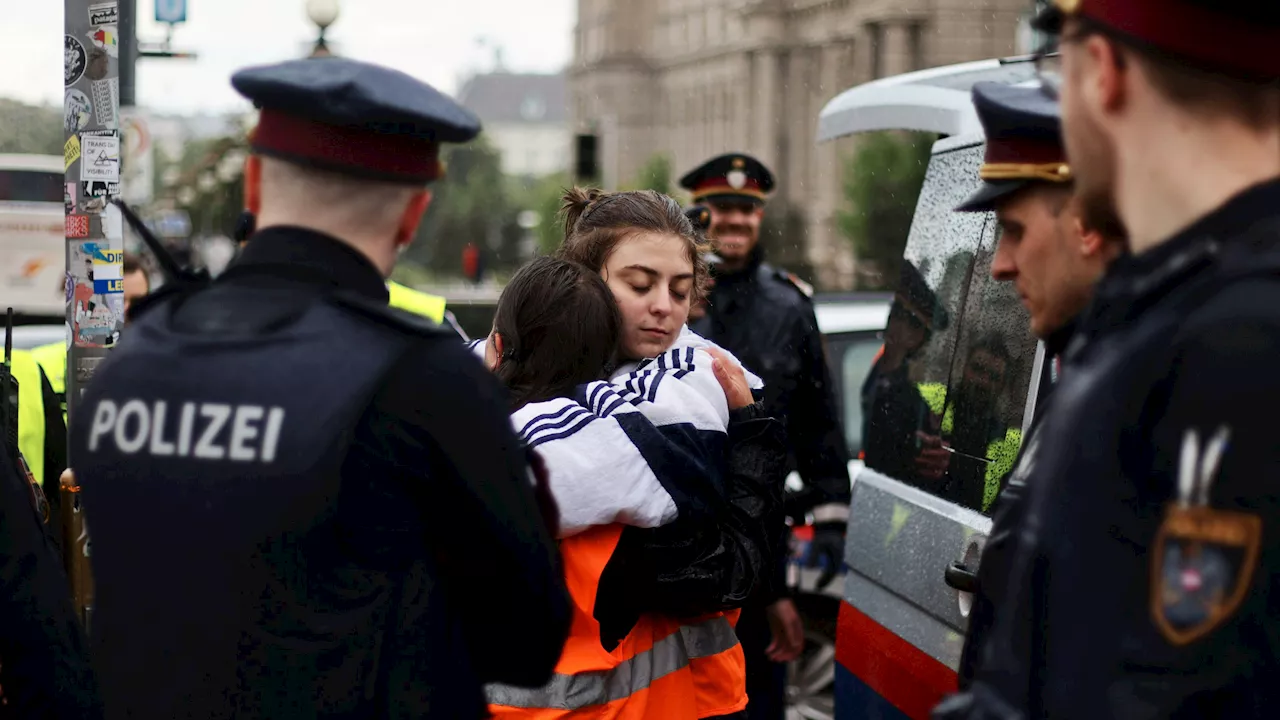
{"type": "Point", "coordinates": [353, 117]}
{"type": "Point", "coordinates": [1024, 142]}
{"type": "Point", "coordinates": [700, 216]}
{"type": "Point", "coordinates": [1237, 37]}
{"type": "Point", "coordinates": [732, 176]}
{"type": "Point", "coordinates": [919, 300]}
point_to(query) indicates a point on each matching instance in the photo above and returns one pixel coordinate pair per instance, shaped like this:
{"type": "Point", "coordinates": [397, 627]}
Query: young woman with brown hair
{"type": "Point", "coordinates": [694, 540]}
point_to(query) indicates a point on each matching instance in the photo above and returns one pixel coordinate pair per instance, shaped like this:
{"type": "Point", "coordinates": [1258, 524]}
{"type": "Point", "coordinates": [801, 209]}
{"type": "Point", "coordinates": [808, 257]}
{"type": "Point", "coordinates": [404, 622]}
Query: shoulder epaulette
{"type": "Point", "coordinates": [788, 277]}
{"type": "Point", "coordinates": [401, 320]}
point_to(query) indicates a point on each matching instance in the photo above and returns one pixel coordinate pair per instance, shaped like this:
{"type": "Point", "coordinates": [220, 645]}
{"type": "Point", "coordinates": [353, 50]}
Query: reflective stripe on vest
{"type": "Point", "coordinates": [668, 655]}
{"type": "Point", "coordinates": [650, 674]}
{"type": "Point", "coordinates": [415, 301]}
{"type": "Point", "coordinates": [53, 360]}
{"type": "Point", "coordinates": [30, 412]}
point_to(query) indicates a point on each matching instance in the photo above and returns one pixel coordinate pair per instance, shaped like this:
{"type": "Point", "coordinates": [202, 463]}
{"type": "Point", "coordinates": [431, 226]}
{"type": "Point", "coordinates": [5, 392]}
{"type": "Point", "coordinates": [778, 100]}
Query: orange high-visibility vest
{"type": "Point", "coordinates": [720, 679]}
{"type": "Point", "coordinates": [649, 675]}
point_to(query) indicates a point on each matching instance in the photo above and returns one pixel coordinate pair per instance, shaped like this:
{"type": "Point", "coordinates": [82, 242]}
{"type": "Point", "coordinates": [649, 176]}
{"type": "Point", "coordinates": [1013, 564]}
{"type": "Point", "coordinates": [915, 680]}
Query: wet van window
{"type": "Point", "coordinates": [943, 404]}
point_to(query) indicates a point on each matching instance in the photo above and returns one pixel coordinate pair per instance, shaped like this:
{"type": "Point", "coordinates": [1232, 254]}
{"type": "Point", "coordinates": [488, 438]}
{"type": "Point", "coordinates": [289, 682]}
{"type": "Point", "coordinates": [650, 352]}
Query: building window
{"type": "Point", "coordinates": [915, 40]}
{"type": "Point", "coordinates": [875, 43]}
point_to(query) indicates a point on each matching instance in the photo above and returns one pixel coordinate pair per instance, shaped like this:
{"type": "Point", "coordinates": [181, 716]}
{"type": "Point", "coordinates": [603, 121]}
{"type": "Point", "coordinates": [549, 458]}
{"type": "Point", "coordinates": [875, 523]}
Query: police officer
{"type": "Point", "coordinates": [765, 317]}
{"type": "Point", "coordinates": [44, 658]}
{"type": "Point", "coordinates": [1053, 259]}
{"type": "Point", "coordinates": [303, 502]}
{"type": "Point", "coordinates": [1143, 580]}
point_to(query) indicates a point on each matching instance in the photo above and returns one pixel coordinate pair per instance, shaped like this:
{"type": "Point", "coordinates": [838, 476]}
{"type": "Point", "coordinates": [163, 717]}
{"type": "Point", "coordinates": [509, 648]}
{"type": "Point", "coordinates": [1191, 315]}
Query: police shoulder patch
{"type": "Point", "coordinates": [789, 277]}
{"type": "Point", "coordinates": [1203, 559]}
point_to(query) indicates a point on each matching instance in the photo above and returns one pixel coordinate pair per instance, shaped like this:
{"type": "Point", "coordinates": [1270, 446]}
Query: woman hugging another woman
{"type": "Point", "coordinates": [664, 472]}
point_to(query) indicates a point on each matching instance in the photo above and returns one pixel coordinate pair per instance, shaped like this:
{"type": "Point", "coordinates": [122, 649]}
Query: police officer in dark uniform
{"type": "Point", "coordinates": [1142, 584]}
{"type": "Point", "coordinates": [44, 658]}
{"type": "Point", "coordinates": [1055, 260]}
{"type": "Point", "coordinates": [305, 503]}
{"type": "Point", "coordinates": [764, 316]}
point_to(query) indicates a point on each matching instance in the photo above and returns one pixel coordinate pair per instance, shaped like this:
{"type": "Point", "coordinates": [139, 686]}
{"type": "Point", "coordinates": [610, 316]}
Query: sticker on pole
{"type": "Point", "coordinates": [98, 190]}
{"type": "Point", "coordinates": [95, 316]}
{"type": "Point", "coordinates": [73, 60]}
{"type": "Point", "coordinates": [106, 38]}
{"type": "Point", "coordinates": [106, 98]}
{"type": "Point", "coordinates": [100, 157]}
{"type": "Point", "coordinates": [104, 14]}
{"type": "Point", "coordinates": [77, 111]}
{"type": "Point", "coordinates": [77, 226]}
{"type": "Point", "coordinates": [71, 151]}
{"type": "Point", "coordinates": [97, 69]}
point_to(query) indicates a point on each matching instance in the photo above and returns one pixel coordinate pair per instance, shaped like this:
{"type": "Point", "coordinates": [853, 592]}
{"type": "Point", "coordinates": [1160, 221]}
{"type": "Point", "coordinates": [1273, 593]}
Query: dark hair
{"type": "Point", "coordinates": [560, 327]}
{"type": "Point", "coordinates": [132, 263]}
{"type": "Point", "coordinates": [596, 221]}
{"type": "Point", "coordinates": [993, 345]}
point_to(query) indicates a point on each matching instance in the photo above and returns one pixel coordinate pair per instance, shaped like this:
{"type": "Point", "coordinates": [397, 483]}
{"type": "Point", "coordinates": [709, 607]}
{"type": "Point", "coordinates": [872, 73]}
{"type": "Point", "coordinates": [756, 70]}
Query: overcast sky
{"type": "Point", "coordinates": [435, 40]}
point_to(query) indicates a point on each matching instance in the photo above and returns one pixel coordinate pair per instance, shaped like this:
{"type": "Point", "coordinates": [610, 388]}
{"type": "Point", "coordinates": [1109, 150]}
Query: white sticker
{"type": "Point", "coordinates": [100, 157]}
{"type": "Point", "coordinates": [106, 38]}
{"type": "Point", "coordinates": [106, 98]}
{"type": "Point", "coordinates": [104, 14]}
{"type": "Point", "coordinates": [76, 111]}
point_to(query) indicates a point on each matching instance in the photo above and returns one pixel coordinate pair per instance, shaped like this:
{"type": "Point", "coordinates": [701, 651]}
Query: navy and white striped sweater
{"type": "Point", "coordinates": [641, 449]}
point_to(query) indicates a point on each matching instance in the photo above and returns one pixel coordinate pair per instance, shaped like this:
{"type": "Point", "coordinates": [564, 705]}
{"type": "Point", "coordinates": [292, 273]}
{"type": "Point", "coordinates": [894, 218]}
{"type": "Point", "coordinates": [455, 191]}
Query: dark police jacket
{"type": "Point", "coordinates": [765, 320]}
{"type": "Point", "coordinates": [1144, 581]}
{"type": "Point", "coordinates": [305, 504]}
{"type": "Point", "coordinates": [44, 658]}
{"type": "Point", "coordinates": [1006, 514]}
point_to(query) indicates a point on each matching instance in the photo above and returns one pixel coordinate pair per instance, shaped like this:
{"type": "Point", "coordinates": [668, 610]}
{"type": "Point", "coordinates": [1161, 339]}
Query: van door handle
{"type": "Point", "coordinates": [961, 577]}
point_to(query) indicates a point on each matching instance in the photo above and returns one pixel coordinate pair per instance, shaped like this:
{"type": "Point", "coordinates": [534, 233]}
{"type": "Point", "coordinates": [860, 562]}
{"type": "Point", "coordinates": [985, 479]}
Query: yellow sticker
{"type": "Point", "coordinates": [71, 151]}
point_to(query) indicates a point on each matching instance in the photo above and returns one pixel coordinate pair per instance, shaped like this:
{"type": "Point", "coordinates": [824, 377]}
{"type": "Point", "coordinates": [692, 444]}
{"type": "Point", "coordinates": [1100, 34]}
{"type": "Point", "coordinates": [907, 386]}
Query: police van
{"type": "Point", "coordinates": [911, 551]}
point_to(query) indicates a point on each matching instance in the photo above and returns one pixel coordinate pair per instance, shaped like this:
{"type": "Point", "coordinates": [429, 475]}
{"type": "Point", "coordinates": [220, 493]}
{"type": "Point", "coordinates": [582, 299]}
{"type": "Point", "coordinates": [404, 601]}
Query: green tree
{"type": "Point", "coordinates": [881, 185]}
{"type": "Point", "coordinates": [655, 175]}
{"type": "Point", "coordinates": [30, 129]}
{"type": "Point", "coordinates": [472, 203]}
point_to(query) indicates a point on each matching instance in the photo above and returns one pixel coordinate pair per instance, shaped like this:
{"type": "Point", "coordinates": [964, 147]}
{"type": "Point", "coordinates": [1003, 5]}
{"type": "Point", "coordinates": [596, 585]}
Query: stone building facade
{"type": "Point", "coordinates": [695, 78]}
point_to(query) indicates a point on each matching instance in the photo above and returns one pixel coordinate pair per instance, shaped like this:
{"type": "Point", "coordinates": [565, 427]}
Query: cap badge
{"type": "Point", "coordinates": [739, 163]}
{"type": "Point", "coordinates": [737, 179]}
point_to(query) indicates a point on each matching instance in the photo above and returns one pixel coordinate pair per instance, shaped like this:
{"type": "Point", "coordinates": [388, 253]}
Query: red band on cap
{"type": "Point", "coordinates": [389, 155]}
{"type": "Point", "coordinates": [1195, 32]}
{"type": "Point", "coordinates": [1024, 151]}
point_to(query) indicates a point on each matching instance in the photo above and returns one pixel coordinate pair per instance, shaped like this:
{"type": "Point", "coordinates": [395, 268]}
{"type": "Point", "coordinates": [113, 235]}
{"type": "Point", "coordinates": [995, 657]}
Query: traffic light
{"type": "Point", "coordinates": [586, 166]}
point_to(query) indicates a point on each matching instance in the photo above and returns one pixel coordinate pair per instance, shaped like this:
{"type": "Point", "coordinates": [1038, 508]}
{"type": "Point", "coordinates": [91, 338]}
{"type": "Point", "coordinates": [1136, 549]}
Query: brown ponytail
{"type": "Point", "coordinates": [574, 203]}
{"type": "Point", "coordinates": [595, 222]}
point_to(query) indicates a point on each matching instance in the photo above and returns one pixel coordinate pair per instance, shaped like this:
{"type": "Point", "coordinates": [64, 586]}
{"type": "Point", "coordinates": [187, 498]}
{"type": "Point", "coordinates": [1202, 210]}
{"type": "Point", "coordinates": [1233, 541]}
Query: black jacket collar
{"type": "Point", "coordinates": [1135, 282]}
{"type": "Point", "coordinates": [309, 258]}
{"type": "Point", "coordinates": [1058, 340]}
{"type": "Point", "coordinates": [747, 273]}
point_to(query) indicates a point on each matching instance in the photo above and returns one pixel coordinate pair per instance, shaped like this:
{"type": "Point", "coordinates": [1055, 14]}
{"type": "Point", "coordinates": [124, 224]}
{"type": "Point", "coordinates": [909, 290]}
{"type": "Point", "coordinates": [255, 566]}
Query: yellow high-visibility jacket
{"type": "Point", "coordinates": [416, 301]}
{"type": "Point", "coordinates": [31, 428]}
{"type": "Point", "coordinates": [1001, 452]}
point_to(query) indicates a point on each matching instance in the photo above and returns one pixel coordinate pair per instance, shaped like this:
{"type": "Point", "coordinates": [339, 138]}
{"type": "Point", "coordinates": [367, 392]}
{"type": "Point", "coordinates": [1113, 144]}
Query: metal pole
{"type": "Point", "coordinates": [92, 48]}
{"type": "Point", "coordinates": [128, 52]}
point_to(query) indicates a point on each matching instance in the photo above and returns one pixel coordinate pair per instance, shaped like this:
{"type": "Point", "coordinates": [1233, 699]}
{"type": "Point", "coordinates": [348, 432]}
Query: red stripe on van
{"type": "Point", "coordinates": [898, 671]}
